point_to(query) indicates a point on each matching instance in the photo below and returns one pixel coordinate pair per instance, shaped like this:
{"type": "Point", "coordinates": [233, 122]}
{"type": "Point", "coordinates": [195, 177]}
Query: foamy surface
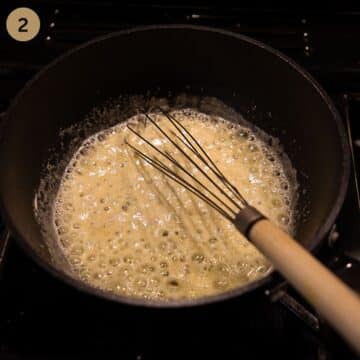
{"type": "Point", "coordinates": [127, 228]}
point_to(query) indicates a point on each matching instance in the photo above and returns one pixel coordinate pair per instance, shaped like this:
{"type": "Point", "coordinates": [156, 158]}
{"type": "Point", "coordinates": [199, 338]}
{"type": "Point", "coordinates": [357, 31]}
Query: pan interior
{"type": "Point", "coordinates": [105, 262]}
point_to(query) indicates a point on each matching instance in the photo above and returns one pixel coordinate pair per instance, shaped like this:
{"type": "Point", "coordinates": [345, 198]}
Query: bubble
{"type": "Point", "coordinates": [243, 134]}
{"type": "Point", "coordinates": [254, 170]}
{"type": "Point", "coordinates": [124, 271]}
{"type": "Point", "coordinates": [65, 242]}
{"type": "Point", "coordinates": [68, 206]}
{"type": "Point", "coordinates": [186, 269]}
{"type": "Point", "coordinates": [222, 268]}
{"type": "Point", "coordinates": [85, 150]}
{"type": "Point", "coordinates": [128, 259]}
{"type": "Point", "coordinates": [213, 240]}
{"type": "Point", "coordinates": [114, 262]}
{"type": "Point", "coordinates": [276, 172]}
{"type": "Point", "coordinates": [220, 284]}
{"type": "Point", "coordinates": [147, 268]}
{"type": "Point", "coordinates": [284, 186]}
{"type": "Point", "coordinates": [198, 258]}
{"type": "Point", "coordinates": [141, 283]}
{"type": "Point", "coordinates": [125, 206]}
{"type": "Point", "coordinates": [101, 137]}
{"type": "Point", "coordinates": [173, 283]}
{"type": "Point", "coordinates": [253, 148]}
{"type": "Point", "coordinates": [284, 219]}
{"type": "Point", "coordinates": [76, 261]}
{"type": "Point", "coordinates": [62, 230]}
{"type": "Point", "coordinates": [276, 203]}
{"type": "Point", "coordinates": [77, 250]}
{"type": "Point", "coordinates": [154, 281]}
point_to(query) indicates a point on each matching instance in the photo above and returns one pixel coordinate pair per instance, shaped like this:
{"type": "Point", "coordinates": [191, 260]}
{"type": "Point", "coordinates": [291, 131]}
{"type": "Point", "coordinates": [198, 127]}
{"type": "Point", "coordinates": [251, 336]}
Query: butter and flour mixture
{"type": "Point", "coordinates": [129, 229]}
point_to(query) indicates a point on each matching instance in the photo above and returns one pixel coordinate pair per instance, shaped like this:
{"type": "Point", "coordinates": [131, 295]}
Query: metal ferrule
{"type": "Point", "coordinates": [246, 219]}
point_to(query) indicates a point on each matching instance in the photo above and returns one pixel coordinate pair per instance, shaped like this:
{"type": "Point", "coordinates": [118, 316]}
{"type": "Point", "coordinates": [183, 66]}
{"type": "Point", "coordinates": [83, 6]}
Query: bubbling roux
{"type": "Point", "coordinates": [127, 228]}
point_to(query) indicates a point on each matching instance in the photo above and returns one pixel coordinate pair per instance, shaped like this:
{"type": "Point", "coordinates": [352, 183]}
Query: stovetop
{"type": "Point", "coordinates": [41, 318]}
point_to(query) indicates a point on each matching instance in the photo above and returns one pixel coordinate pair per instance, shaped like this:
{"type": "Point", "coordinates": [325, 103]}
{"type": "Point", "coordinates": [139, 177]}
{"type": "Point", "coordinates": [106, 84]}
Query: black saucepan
{"type": "Point", "coordinates": [268, 88]}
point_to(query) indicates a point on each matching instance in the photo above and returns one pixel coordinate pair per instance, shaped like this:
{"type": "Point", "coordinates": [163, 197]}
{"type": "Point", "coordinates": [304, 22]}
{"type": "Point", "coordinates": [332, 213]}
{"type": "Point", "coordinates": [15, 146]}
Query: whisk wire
{"type": "Point", "coordinates": [190, 146]}
{"type": "Point", "coordinates": [192, 160]}
{"type": "Point", "coordinates": [188, 140]}
{"type": "Point", "coordinates": [177, 164]}
{"type": "Point", "coordinates": [188, 186]}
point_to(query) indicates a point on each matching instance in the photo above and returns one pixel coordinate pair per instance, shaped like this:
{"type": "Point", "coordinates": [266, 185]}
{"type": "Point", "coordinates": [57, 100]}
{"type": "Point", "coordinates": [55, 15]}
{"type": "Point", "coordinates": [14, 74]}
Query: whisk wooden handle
{"type": "Point", "coordinates": [339, 305]}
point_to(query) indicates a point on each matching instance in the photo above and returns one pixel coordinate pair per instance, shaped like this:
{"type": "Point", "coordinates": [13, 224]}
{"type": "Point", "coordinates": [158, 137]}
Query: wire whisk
{"type": "Point", "coordinates": [187, 145]}
{"type": "Point", "coordinates": [330, 296]}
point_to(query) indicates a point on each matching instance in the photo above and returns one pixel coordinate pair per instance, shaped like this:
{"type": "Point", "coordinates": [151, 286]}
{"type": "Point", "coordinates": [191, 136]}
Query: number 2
{"type": "Point", "coordinates": [23, 22]}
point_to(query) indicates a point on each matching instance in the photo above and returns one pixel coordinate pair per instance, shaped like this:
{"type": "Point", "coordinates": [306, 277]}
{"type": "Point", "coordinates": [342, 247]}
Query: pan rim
{"type": "Point", "coordinates": [323, 228]}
